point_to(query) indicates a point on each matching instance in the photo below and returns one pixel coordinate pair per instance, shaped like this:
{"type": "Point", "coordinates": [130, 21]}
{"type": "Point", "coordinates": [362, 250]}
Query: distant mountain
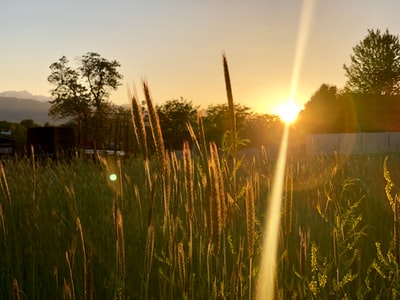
{"type": "Point", "coordinates": [24, 95]}
{"type": "Point", "coordinates": [15, 109]}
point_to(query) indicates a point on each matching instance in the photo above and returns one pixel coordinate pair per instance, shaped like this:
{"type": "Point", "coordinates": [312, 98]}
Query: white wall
{"type": "Point", "coordinates": [353, 143]}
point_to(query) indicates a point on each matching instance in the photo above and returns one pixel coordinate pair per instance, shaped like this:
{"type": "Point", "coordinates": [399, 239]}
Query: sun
{"type": "Point", "coordinates": [288, 112]}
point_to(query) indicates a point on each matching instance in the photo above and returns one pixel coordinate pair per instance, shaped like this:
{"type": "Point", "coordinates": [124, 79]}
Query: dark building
{"type": "Point", "coordinates": [52, 142]}
{"type": "Point", "coordinates": [6, 144]}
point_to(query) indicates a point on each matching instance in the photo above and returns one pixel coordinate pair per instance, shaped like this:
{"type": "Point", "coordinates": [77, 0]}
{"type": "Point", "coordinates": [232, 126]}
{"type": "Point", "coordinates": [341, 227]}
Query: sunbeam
{"type": "Point", "coordinates": [266, 279]}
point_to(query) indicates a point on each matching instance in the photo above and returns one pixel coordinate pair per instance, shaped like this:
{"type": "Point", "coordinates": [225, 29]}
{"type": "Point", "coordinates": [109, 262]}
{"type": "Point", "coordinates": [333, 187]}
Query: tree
{"type": "Point", "coordinates": [174, 116]}
{"type": "Point", "coordinates": [28, 123]}
{"type": "Point", "coordinates": [82, 94]}
{"type": "Point", "coordinates": [71, 99]}
{"type": "Point", "coordinates": [321, 112]}
{"type": "Point", "coordinates": [262, 130]}
{"type": "Point", "coordinates": [375, 65]}
{"type": "Point", "coordinates": [217, 122]}
{"type": "Point", "coordinates": [100, 76]}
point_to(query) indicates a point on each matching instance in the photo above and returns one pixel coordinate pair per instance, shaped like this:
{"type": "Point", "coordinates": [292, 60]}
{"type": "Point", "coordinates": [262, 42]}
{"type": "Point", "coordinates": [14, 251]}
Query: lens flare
{"type": "Point", "coordinates": [288, 112]}
{"type": "Point", "coordinates": [266, 280]}
{"type": "Point", "coordinates": [113, 177]}
{"type": "Point", "coordinates": [267, 275]}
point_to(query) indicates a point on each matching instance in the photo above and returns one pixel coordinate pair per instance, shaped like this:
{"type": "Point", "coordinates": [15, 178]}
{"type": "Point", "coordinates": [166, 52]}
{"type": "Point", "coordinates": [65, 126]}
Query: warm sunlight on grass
{"type": "Point", "coordinates": [288, 112]}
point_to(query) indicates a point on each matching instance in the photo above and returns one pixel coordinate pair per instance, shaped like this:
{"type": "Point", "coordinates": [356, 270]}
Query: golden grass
{"type": "Point", "coordinates": [190, 226]}
{"type": "Point", "coordinates": [139, 127]}
{"type": "Point", "coordinates": [155, 127]}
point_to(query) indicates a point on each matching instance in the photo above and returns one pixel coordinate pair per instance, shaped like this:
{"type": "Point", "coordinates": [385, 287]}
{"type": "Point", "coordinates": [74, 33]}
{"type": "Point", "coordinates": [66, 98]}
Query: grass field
{"type": "Point", "coordinates": [190, 226]}
{"type": "Point", "coordinates": [182, 230]}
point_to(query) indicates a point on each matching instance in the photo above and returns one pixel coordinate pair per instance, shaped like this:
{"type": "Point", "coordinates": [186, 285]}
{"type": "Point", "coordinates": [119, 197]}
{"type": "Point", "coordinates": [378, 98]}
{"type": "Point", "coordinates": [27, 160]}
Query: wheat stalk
{"type": "Point", "coordinates": [149, 254]}
{"type": "Point", "coordinates": [250, 222]}
{"type": "Point", "coordinates": [215, 198]}
{"type": "Point", "coordinates": [188, 171]}
{"type": "Point", "coordinates": [188, 178]}
{"type": "Point", "coordinates": [3, 226]}
{"type": "Point", "coordinates": [232, 115]}
{"type": "Point", "coordinates": [182, 266]}
{"type": "Point", "coordinates": [85, 273]}
{"type": "Point", "coordinates": [250, 218]}
{"type": "Point", "coordinates": [139, 125]}
{"type": "Point", "coordinates": [166, 189]}
{"type": "Point", "coordinates": [67, 291]}
{"type": "Point", "coordinates": [139, 202]}
{"type": "Point", "coordinates": [120, 191]}
{"type": "Point", "coordinates": [4, 184]}
{"type": "Point", "coordinates": [120, 245]}
{"type": "Point", "coordinates": [55, 273]}
{"type": "Point", "coordinates": [288, 201]}
{"type": "Point", "coordinates": [69, 288]}
{"type": "Point", "coordinates": [304, 241]}
{"type": "Point", "coordinates": [16, 290]}
{"type": "Point", "coordinates": [230, 103]}
{"type": "Point", "coordinates": [221, 186]}
{"type": "Point", "coordinates": [33, 175]}
{"type": "Point", "coordinates": [155, 127]}
{"type": "Point", "coordinates": [237, 281]}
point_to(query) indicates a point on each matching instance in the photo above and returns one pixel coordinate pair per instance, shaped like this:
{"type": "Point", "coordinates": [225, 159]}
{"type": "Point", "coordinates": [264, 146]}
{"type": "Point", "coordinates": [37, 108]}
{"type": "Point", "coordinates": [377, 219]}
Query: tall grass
{"type": "Point", "coordinates": [172, 227]}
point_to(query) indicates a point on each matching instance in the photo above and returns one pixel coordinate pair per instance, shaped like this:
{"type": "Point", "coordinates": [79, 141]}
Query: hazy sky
{"type": "Point", "coordinates": [177, 45]}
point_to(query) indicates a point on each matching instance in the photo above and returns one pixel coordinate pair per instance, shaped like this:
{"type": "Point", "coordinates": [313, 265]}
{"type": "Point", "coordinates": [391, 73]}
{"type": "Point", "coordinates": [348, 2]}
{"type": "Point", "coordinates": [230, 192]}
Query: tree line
{"type": "Point", "coordinates": [370, 99]}
{"type": "Point", "coordinates": [81, 99]}
{"type": "Point", "coordinates": [369, 102]}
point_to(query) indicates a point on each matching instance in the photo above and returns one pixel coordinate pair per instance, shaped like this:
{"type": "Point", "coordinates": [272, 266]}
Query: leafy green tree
{"type": "Point", "coordinates": [70, 97]}
{"type": "Point", "coordinates": [321, 113]}
{"type": "Point", "coordinates": [375, 65]}
{"type": "Point", "coordinates": [174, 116]}
{"type": "Point", "coordinates": [101, 76]}
{"type": "Point", "coordinates": [82, 94]}
{"type": "Point", "coordinates": [217, 122]}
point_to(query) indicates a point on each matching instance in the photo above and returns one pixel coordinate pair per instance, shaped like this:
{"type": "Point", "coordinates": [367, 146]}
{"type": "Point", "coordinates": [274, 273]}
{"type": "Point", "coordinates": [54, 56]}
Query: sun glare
{"type": "Point", "coordinates": [288, 112]}
{"type": "Point", "coordinates": [267, 279]}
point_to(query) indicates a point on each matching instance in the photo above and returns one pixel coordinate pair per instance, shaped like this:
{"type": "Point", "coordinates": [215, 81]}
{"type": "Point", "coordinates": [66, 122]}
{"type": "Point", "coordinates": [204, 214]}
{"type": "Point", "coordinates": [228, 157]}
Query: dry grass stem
{"type": "Point", "coordinates": [149, 252]}
{"type": "Point", "coordinates": [288, 205]}
{"type": "Point", "coordinates": [120, 246]}
{"type": "Point", "coordinates": [182, 266]}
{"type": "Point", "coordinates": [69, 288]}
{"type": "Point", "coordinates": [4, 184]}
{"type": "Point", "coordinates": [16, 291]}
{"type": "Point", "coordinates": [139, 125]}
{"type": "Point", "coordinates": [250, 218]}
{"type": "Point", "coordinates": [86, 280]}
{"type": "Point", "coordinates": [155, 127]}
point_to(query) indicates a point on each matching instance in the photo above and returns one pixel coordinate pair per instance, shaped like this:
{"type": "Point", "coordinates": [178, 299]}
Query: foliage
{"type": "Point", "coordinates": [82, 94]}
{"type": "Point", "coordinates": [330, 111]}
{"type": "Point", "coordinates": [375, 65]}
{"type": "Point", "coordinates": [261, 130]}
{"type": "Point", "coordinates": [321, 112]}
{"type": "Point", "coordinates": [28, 123]}
{"type": "Point", "coordinates": [174, 116]}
{"type": "Point", "coordinates": [385, 267]}
{"type": "Point", "coordinates": [217, 120]}
{"type": "Point", "coordinates": [100, 75]}
{"type": "Point", "coordinates": [70, 96]}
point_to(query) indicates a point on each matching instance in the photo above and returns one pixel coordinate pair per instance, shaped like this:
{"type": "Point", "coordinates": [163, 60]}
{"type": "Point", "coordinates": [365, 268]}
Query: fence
{"type": "Point", "coordinates": [353, 143]}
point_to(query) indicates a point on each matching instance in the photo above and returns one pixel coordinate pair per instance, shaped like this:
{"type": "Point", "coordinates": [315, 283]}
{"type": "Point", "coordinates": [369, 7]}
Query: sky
{"type": "Point", "coordinates": [177, 45]}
